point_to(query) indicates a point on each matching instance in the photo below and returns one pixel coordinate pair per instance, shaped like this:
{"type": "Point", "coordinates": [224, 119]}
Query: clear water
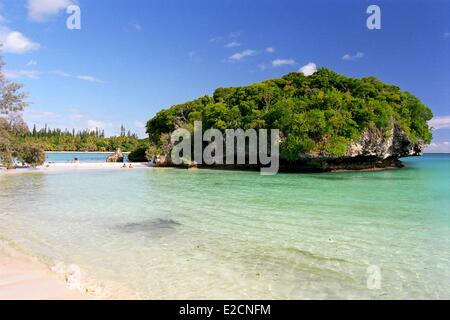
{"type": "Point", "coordinates": [168, 233]}
{"type": "Point", "coordinates": [83, 157]}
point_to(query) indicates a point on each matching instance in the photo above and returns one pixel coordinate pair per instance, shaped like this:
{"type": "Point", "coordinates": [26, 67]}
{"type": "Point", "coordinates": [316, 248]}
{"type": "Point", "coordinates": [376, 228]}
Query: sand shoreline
{"type": "Point", "coordinates": [24, 278]}
{"type": "Point", "coordinates": [49, 167]}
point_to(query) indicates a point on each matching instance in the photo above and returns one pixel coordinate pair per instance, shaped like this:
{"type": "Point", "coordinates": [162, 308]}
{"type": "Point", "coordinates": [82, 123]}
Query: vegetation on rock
{"type": "Point", "coordinates": [318, 115]}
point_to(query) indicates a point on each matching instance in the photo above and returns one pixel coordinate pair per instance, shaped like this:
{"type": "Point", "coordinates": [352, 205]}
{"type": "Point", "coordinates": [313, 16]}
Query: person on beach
{"type": "Point", "coordinates": [131, 166]}
{"type": "Point", "coordinates": [124, 166]}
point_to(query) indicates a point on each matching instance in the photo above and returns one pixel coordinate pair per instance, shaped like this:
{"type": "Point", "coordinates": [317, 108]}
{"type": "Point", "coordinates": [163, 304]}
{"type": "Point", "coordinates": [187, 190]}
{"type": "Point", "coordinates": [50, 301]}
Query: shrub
{"type": "Point", "coordinates": [32, 154]}
{"type": "Point", "coordinates": [138, 155]}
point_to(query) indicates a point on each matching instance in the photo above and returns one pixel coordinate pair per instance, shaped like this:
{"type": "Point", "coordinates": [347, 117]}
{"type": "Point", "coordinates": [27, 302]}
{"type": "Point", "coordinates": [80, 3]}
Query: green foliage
{"type": "Point", "coordinates": [319, 114]}
{"type": "Point", "coordinates": [140, 154]}
{"type": "Point", "coordinates": [12, 102]}
{"type": "Point", "coordinates": [17, 142]}
{"type": "Point", "coordinates": [336, 146]}
{"type": "Point", "coordinates": [85, 140]}
{"type": "Point", "coordinates": [151, 152]}
{"type": "Point", "coordinates": [31, 154]}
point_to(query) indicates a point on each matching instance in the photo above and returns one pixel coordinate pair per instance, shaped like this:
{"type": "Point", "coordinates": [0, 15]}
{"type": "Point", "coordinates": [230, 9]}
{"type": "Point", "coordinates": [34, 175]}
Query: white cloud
{"type": "Point", "coordinates": [216, 39]}
{"type": "Point", "coordinates": [232, 44]}
{"type": "Point", "coordinates": [442, 122]}
{"type": "Point", "coordinates": [41, 114]}
{"type": "Point", "coordinates": [96, 124]}
{"type": "Point", "coordinates": [438, 147]}
{"type": "Point", "coordinates": [31, 63]}
{"type": "Point", "coordinates": [70, 118]}
{"type": "Point", "coordinates": [41, 118]}
{"type": "Point", "coordinates": [60, 73]}
{"type": "Point", "coordinates": [308, 69]}
{"type": "Point", "coordinates": [41, 10]}
{"type": "Point", "coordinates": [89, 78]}
{"type": "Point", "coordinates": [229, 37]}
{"type": "Point", "coordinates": [262, 67]}
{"type": "Point", "coordinates": [353, 57]}
{"type": "Point", "coordinates": [136, 26]}
{"type": "Point", "coordinates": [270, 50]}
{"type": "Point", "coordinates": [241, 55]}
{"type": "Point", "coordinates": [282, 62]}
{"type": "Point", "coordinates": [17, 74]}
{"type": "Point", "coordinates": [76, 116]}
{"type": "Point", "coordinates": [16, 42]}
{"type": "Point", "coordinates": [139, 124]}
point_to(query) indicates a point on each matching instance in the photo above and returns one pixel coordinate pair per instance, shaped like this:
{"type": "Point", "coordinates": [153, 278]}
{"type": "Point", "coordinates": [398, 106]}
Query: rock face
{"type": "Point", "coordinates": [162, 161]}
{"type": "Point", "coordinates": [376, 149]}
{"type": "Point", "coordinates": [116, 156]}
{"type": "Point", "coordinates": [385, 145]}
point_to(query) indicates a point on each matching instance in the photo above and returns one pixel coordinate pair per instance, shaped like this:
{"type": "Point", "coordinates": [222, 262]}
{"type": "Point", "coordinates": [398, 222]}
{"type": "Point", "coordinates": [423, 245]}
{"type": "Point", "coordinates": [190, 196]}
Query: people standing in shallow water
{"type": "Point", "coordinates": [74, 160]}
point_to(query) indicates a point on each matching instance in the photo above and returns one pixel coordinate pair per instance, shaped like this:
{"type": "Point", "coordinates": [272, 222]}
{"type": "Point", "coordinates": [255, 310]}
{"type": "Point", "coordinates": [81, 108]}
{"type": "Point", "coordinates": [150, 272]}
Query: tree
{"type": "Point", "coordinates": [11, 99]}
{"type": "Point", "coordinates": [12, 103]}
{"type": "Point", "coordinates": [31, 154]}
{"type": "Point", "coordinates": [139, 154]}
{"type": "Point", "coordinates": [317, 115]}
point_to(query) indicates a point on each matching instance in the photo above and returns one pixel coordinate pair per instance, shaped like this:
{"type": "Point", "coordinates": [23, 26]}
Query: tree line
{"type": "Point", "coordinates": [82, 140]}
{"type": "Point", "coordinates": [19, 144]}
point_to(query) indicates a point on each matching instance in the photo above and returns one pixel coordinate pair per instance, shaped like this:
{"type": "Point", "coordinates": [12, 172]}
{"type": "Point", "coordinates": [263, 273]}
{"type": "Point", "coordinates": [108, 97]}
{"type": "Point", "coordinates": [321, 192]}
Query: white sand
{"type": "Point", "coordinates": [23, 278]}
{"type": "Point", "coordinates": [79, 166]}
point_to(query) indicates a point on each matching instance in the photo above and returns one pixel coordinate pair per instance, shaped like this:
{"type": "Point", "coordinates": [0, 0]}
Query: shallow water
{"type": "Point", "coordinates": [168, 233]}
{"type": "Point", "coordinates": [83, 157]}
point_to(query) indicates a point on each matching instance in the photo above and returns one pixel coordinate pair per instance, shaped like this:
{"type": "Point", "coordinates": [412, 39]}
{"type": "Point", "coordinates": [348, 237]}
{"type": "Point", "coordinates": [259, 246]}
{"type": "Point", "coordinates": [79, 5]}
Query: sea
{"type": "Point", "coordinates": [159, 233]}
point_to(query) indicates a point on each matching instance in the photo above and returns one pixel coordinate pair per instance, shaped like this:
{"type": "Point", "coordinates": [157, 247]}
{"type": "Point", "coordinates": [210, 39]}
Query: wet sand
{"type": "Point", "coordinates": [23, 278]}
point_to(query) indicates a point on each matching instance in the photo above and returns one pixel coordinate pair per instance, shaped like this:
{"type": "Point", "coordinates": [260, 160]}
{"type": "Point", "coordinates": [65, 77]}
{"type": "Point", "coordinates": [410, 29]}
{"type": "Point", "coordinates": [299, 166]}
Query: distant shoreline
{"type": "Point", "coordinates": [52, 167]}
{"type": "Point", "coordinates": [85, 152]}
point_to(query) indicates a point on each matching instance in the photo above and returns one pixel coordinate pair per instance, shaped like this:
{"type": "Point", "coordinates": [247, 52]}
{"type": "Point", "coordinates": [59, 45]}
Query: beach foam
{"type": "Point", "coordinates": [24, 278]}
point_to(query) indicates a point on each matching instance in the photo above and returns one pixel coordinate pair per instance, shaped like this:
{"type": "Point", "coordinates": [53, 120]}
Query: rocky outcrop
{"type": "Point", "coordinates": [116, 156]}
{"type": "Point", "coordinates": [162, 161]}
{"type": "Point", "coordinates": [383, 145]}
{"type": "Point", "coordinates": [376, 149]}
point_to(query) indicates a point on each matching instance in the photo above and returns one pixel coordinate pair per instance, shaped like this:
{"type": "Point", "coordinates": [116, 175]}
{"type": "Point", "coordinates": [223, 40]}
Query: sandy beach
{"type": "Point", "coordinates": [24, 278]}
{"type": "Point", "coordinates": [48, 167]}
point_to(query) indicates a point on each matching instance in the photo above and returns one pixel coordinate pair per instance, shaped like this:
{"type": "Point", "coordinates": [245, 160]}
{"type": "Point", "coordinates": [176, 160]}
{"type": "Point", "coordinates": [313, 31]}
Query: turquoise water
{"type": "Point", "coordinates": [168, 233]}
{"type": "Point", "coordinates": [83, 157]}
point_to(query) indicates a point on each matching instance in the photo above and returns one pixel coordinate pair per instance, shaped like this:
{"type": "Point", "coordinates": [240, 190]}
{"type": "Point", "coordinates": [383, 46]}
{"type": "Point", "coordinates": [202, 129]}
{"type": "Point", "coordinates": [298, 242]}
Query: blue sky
{"type": "Point", "coordinates": [133, 58]}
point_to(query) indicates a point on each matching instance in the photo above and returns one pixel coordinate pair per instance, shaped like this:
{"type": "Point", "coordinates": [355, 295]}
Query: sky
{"type": "Point", "coordinates": [132, 58]}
